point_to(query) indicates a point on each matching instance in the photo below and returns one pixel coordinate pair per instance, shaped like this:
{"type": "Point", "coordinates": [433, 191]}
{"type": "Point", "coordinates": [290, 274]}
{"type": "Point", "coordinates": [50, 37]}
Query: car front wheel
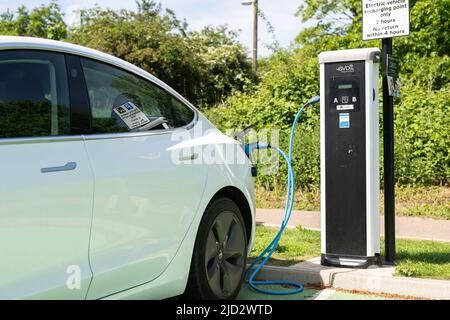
{"type": "Point", "coordinates": [220, 253]}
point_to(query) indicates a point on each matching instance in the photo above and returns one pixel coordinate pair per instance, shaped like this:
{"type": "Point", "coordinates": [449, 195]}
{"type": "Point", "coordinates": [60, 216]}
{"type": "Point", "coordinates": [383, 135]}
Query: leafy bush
{"type": "Point", "coordinates": [205, 66]}
{"type": "Point", "coordinates": [290, 77]}
{"type": "Point", "coordinates": [422, 137]}
{"type": "Point", "coordinates": [306, 161]}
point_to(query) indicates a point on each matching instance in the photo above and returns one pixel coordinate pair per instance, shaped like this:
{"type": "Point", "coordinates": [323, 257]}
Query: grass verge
{"type": "Point", "coordinates": [296, 245]}
{"type": "Point", "coordinates": [431, 202]}
{"type": "Point", "coordinates": [416, 258]}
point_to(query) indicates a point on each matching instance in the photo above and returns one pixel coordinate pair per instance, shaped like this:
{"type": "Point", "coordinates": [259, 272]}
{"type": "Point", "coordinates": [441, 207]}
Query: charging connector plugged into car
{"type": "Point", "coordinates": [251, 272]}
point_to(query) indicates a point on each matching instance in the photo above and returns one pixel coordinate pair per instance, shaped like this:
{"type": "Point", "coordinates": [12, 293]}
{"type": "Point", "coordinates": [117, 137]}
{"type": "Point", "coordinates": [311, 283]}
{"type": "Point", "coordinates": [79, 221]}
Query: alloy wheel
{"type": "Point", "coordinates": [225, 254]}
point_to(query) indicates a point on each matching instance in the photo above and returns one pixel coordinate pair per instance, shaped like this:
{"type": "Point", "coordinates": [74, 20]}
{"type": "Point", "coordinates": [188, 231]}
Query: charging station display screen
{"type": "Point", "coordinates": [344, 93]}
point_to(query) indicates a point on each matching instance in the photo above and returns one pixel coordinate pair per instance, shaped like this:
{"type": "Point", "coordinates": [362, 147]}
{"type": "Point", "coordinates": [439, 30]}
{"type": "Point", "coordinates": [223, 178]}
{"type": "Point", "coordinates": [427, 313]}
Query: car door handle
{"type": "Point", "coordinates": [67, 167]}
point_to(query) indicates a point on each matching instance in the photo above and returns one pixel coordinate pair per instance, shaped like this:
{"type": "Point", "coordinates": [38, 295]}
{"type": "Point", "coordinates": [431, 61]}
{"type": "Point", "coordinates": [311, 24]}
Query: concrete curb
{"type": "Point", "coordinates": [372, 280]}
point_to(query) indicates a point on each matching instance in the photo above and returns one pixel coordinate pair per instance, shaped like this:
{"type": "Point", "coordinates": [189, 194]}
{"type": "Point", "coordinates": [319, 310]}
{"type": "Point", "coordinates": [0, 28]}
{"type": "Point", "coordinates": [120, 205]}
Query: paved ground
{"type": "Point", "coordinates": [330, 294]}
{"type": "Point", "coordinates": [248, 293]}
{"type": "Point", "coordinates": [374, 280]}
{"type": "Point", "coordinates": [405, 227]}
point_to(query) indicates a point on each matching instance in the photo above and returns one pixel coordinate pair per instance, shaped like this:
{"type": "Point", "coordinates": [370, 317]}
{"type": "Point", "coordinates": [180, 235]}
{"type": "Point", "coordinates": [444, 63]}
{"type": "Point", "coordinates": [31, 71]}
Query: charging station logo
{"type": "Point", "coordinates": [346, 68]}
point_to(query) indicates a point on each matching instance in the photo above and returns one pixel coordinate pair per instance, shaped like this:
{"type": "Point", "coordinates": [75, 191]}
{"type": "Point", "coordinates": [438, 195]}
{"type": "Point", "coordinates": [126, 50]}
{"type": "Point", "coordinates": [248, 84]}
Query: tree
{"type": "Point", "coordinates": [204, 66]}
{"type": "Point", "coordinates": [290, 77]}
{"type": "Point", "coordinates": [225, 65]}
{"type": "Point", "coordinates": [43, 22]}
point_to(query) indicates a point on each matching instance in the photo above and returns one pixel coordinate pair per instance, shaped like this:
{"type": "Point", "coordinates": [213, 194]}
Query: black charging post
{"type": "Point", "coordinates": [388, 158]}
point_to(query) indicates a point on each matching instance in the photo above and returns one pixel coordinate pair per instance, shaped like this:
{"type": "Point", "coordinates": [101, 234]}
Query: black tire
{"type": "Point", "coordinates": [218, 275]}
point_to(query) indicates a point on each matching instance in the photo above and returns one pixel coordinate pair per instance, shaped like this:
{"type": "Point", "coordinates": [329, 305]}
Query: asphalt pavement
{"type": "Point", "coordinates": [405, 227]}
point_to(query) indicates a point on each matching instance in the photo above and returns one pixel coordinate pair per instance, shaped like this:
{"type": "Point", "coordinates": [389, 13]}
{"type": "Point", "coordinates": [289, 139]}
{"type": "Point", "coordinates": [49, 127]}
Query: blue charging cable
{"type": "Point", "coordinates": [290, 191]}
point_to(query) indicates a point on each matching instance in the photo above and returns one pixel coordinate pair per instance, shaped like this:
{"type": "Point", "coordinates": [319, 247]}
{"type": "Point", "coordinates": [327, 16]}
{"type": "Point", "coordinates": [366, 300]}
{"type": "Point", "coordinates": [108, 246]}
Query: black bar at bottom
{"type": "Point", "coordinates": [388, 148]}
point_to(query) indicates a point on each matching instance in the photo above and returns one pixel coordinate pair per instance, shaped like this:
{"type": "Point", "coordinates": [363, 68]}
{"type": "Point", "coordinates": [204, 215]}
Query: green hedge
{"type": "Point", "coordinates": [422, 126]}
{"type": "Point", "coordinates": [422, 137]}
{"type": "Point", "coordinates": [288, 78]}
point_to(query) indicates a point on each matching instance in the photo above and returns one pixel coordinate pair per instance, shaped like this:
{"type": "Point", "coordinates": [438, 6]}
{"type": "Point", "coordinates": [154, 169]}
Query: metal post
{"type": "Point", "coordinates": [255, 36]}
{"type": "Point", "coordinates": [388, 147]}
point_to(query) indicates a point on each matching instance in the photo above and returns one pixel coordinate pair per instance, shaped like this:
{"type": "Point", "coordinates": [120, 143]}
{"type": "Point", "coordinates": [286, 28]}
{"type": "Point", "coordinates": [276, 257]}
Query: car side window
{"type": "Point", "coordinates": [34, 94]}
{"type": "Point", "coordinates": [122, 102]}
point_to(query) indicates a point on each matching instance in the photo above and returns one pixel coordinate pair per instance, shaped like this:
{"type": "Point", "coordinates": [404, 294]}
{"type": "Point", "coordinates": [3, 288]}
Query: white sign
{"type": "Point", "coordinates": [131, 115]}
{"type": "Point", "coordinates": [385, 18]}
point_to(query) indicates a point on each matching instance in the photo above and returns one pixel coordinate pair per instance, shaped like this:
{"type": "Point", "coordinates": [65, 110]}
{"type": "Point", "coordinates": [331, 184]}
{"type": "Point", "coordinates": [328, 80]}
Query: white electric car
{"type": "Point", "coordinates": [112, 185]}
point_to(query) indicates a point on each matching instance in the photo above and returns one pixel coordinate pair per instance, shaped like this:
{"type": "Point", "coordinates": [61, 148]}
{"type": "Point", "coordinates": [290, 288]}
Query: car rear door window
{"type": "Point", "coordinates": [113, 93]}
{"type": "Point", "coordinates": [34, 98]}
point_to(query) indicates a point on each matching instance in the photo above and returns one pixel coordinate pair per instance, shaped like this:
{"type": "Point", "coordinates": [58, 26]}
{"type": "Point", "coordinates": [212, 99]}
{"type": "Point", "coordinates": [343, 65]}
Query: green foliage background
{"type": "Point", "coordinates": [290, 77]}
{"type": "Point", "coordinates": [211, 68]}
{"type": "Point", "coordinates": [205, 66]}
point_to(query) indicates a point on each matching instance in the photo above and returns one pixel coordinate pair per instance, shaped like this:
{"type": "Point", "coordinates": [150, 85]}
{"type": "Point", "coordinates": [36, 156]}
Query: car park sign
{"type": "Point", "coordinates": [385, 18]}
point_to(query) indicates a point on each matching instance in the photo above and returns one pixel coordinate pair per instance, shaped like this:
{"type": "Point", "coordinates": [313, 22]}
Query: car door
{"type": "Point", "coordinates": [46, 183]}
{"type": "Point", "coordinates": [146, 193]}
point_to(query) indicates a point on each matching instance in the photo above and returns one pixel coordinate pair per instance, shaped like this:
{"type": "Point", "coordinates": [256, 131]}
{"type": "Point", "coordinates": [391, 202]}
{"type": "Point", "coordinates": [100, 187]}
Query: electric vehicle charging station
{"type": "Point", "coordinates": [349, 136]}
{"type": "Point", "coordinates": [349, 161]}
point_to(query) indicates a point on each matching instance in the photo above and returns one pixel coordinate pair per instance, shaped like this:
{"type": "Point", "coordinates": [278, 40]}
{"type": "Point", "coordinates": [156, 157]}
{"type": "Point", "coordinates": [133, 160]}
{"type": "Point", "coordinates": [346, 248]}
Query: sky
{"type": "Point", "coordinates": [199, 13]}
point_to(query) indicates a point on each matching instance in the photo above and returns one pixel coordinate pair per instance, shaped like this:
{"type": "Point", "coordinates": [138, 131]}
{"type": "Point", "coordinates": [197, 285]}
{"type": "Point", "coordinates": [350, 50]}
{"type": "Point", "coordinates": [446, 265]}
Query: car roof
{"type": "Point", "coordinates": [16, 42]}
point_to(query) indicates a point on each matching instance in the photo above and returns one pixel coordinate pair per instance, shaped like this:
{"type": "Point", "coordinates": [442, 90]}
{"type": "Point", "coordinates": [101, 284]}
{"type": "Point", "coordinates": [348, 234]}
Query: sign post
{"type": "Point", "coordinates": [388, 157]}
{"type": "Point", "coordinates": [385, 19]}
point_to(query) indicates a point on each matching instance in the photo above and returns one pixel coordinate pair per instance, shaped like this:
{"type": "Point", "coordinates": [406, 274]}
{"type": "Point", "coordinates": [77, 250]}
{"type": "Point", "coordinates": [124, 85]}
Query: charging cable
{"type": "Point", "coordinates": [290, 191]}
